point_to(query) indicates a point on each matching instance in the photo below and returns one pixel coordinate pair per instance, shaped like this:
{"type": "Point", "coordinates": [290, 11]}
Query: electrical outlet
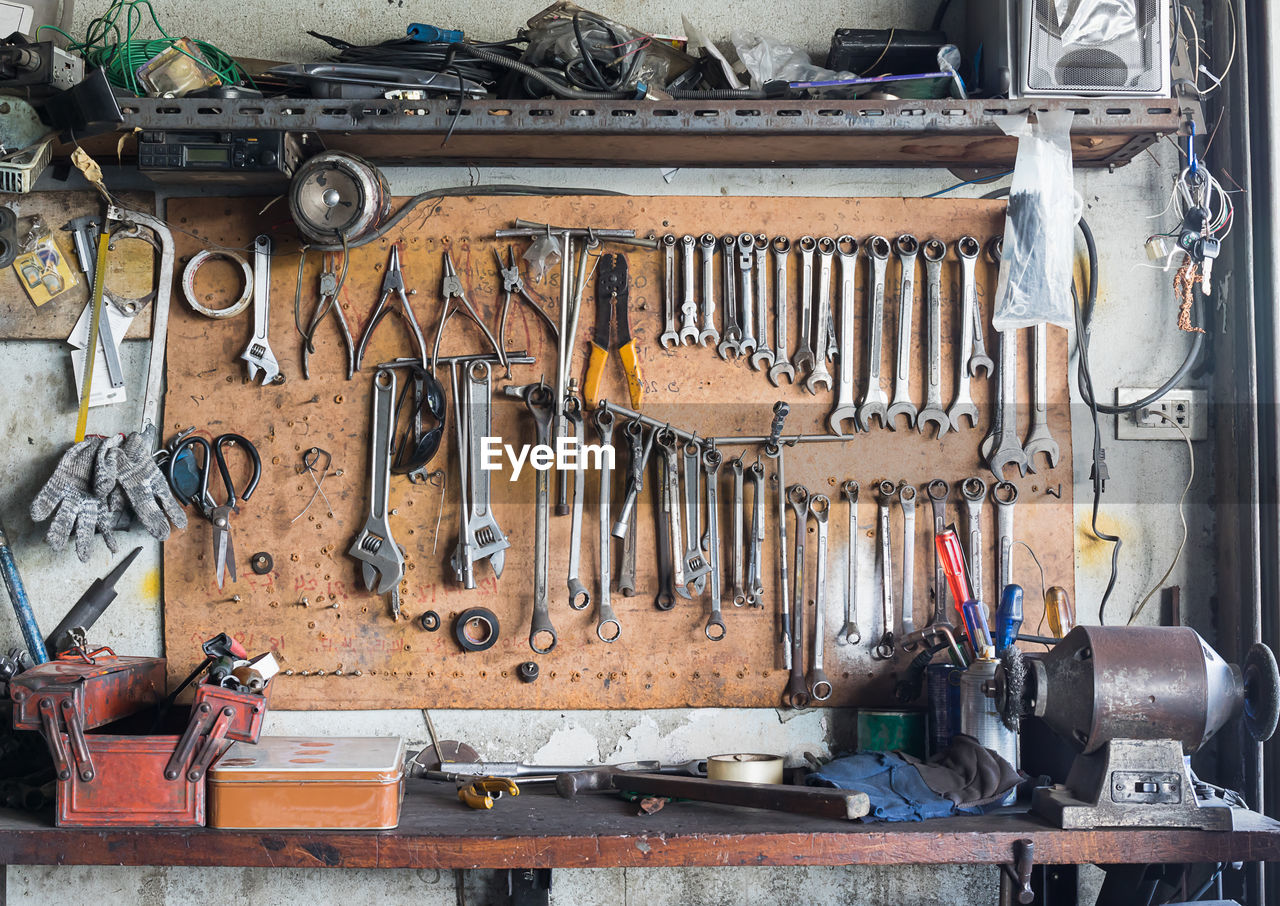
{"type": "Point", "coordinates": [1188, 407]}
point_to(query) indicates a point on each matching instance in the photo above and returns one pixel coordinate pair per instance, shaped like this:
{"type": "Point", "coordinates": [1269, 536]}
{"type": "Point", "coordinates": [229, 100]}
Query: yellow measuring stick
{"type": "Point", "coordinates": [91, 352]}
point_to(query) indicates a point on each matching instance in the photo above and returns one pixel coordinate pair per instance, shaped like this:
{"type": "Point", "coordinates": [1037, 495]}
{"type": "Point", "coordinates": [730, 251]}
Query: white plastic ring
{"type": "Point", "coordinates": [189, 284]}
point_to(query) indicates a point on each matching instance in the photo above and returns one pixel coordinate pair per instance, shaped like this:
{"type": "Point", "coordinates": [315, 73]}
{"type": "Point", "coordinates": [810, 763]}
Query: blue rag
{"type": "Point", "coordinates": [896, 789]}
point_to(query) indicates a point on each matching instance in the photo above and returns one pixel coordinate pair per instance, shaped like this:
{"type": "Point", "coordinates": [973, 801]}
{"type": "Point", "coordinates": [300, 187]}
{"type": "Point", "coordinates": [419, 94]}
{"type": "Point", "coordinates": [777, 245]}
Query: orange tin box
{"type": "Point", "coordinates": [295, 782]}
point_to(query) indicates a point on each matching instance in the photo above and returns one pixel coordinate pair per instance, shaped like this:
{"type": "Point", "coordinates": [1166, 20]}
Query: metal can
{"type": "Point", "coordinates": [980, 718]}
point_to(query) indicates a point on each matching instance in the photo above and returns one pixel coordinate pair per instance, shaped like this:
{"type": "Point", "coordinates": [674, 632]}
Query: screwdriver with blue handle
{"type": "Point", "coordinates": [1008, 617]}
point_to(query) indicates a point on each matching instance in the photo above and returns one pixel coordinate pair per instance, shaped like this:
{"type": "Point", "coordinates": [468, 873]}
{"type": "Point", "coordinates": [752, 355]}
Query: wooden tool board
{"type": "Point", "coordinates": [663, 659]}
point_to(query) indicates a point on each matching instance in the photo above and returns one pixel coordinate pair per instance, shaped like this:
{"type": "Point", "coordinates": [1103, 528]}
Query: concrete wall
{"type": "Point", "coordinates": [37, 416]}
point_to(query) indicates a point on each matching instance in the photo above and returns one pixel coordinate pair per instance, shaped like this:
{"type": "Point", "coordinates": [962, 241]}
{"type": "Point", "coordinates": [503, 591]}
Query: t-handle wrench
{"type": "Point", "coordinates": [938, 491]}
{"type": "Point", "coordinates": [711, 459]}
{"type": "Point", "coordinates": [885, 492]}
{"type": "Point", "coordinates": [797, 692]}
{"type": "Point", "coordinates": [849, 634]}
{"type": "Point", "coordinates": [908, 248]}
{"type": "Point", "coordinates": [606, 620]}
{"type": "Point", "coordinates": [540, 400]}
{"type": "Point", "coordinates": [819, 686]}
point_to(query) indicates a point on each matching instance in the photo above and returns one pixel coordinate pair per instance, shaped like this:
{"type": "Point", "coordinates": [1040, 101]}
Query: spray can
{"type": "Point", "coordinates": [980, 718]}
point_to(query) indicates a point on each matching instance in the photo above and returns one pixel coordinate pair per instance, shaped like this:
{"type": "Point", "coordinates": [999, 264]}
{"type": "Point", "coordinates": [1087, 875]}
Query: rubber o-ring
{"type": "Point", "coordinates": [484, 620]}
{"type": "Point", "coordinates": [430, 621]}
{"type": "Point", "coordinates": [261, 563]}
{"type": "Point", "coordinates": [528, 672]}
{"type": "Point", "coordinates": [189, 283]}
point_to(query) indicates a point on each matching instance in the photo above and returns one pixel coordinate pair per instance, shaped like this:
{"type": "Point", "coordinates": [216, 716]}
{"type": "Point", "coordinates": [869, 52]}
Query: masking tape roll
{"type": "Point", "coordinates": [745, 768]}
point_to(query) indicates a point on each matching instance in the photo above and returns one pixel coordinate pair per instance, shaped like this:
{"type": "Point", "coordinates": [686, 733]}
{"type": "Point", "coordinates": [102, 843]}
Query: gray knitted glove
{"type": "Point", "coordinates": [71, 491]}
{"type": "Point", "coordinates": [145, 485]}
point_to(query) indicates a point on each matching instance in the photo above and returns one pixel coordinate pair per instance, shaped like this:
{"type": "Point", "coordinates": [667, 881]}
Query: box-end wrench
{"type": "Point", "coordinates": [819, 686]}
{"type": "Point", "coordinates": [763, 356]}
{"type": "Point", "coordinates": [1004, 495]}
{"type": "Point", "coordinates": [711, 459]}
{"type": "Point", "coordinates": [637, 462]}
{"type": "Point", "coordinates": [779, 480]}
{"type": "Point", "coordinates": [541, 403]}
{"type": "Point", "coordinates": [978, 358]}
{"type": "Point", "coordinates": [382, 560]}
{"type": "Point", "coordinates": [885, 492]}
{"type": "Point", "coordinates": [670, 337]}
{"type": "Point", "coordinates": [746, 293]}
{"type": "Point", "coordinates": [1002, 447]}
{"type": "Point", "coordinates": [907, 500]}
{"type": "Point", "coordinates": [849, 634]}
{"type": "Point", "coordinates": [962, 406]}
{"type": "Point", "coordinates": [819, 374]}
{"type": "Point", "coordinates": [579, 596]}
{"type": "Point", "coordinates": [797, 692]}
{"type": "Point", "coordinates": [707, 250]}
{"type": "Point", "coordinates": [934, 251]}
{"type": "Point", "coordinates": [257, 356]}
{"type": "Point", "coordinates": [755, 550]}
{"type": "Point", "coordinates": [669, 491]}
{"type": "Point", "coordinates": [731, 338]}
{"type": "Point", "coordinates": [688, 287]}
{"type": "Point", "coordinates": [908, 248]}
{"type": "Point", "coordinates": [875, 403]}
{"type": "Point", "coordinates": [608, 629]}
{"type": "Point", "coordinates": [782, 366]}
{"type": "Point", "coordinates": [938, 491]}
{"type": "Point", "coordinates": [1039, 440]}
{"type": "Point", "coordinates": [696, 566]}
{"type": "Point", "coordinates": [738, 525]}
{"type": "Point", "coordinates": [804, 357]}
{"type": "Point", "coordinates": [974, 492]}
{"type": "Point", "coordinates": [846, 408]}
{"type": "Point", "coordinates": [664, 543]}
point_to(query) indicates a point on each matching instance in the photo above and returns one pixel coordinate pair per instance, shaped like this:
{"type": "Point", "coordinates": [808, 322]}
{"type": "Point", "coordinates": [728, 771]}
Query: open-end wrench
{"type": "Point", "coordinates": [1039, 440]}
{"type": "Point", "coordinates": [258, 356]}
{"type": "Point", "coordinates": [797, 694]}
{"type": "Point", "coordinates": [908, 248]}
{"type": "Point", "coordinates": [819, 686]}
{"type": "Point", "coordinates": [977, 346]}
{"type": "Point", "coordinates": [540, 400]}
{"type": "Point", "coordinates": [763, 356]}
{"type": "Point", "coordinates": [579, 596]}
{"type": "Point", "coordinates": [846, 408]}
{"type": "Point", "coordinates": [782, 366]}
{"type": "Point", "coordinates": [667, 536]}
{"type": "Point", "coordinates": [907, 499]}
{"type": "Point", "coordinates": [934, 251]}
{"type": "Point", "coordinates": [707, 249]}
{"type": "Point", "coordinates": [779, 479]}
{"type": "Point", "coordinates": [711, 459]}
{"type": "Point", "coordinates": [696, 566]}
{"type": "Point", "coordinates": [1002, 447]}
{"type": "Point", "coordinates": [962, 406]}
{"type": "Point", "coordinates": [819, 374]}
{"type": "Point", "coordinates": [669, 463]}
{"type": "Point", "coordinates": [938, 491]}
{"type": "Point", "coordinates": [875, 403]}
{"type": "Point", "coordinates": [885, 492]}
{"type": "Point", "coordinates": [608, 629]}
{"type": "Point", "coordinates": [974, 491]}
{"type": "Point", "coordinates": [688, 299]}
{"type": "Point", "coordinates": [803, 359]}
{"type": "Point", "coordinates": [738, 524]}
{"type": "Point", "coordinates": [731, 338]}
{"type": "Point", "coordinates": [382, 561]}
{"type": "Point", "coordinates": [849, 634]}
{"type": "Point", "coordinates": [1004, 494]}
{"type": "Point", "coordinates": [670, 336]}
{"type": "Point", "coordinates": [755, 547]}
{"type": "Point", "coordinates": [746, 293]}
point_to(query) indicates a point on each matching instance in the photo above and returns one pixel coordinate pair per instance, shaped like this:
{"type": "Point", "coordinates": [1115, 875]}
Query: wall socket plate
{"type": "Point", "coordinates": [1188, 407]}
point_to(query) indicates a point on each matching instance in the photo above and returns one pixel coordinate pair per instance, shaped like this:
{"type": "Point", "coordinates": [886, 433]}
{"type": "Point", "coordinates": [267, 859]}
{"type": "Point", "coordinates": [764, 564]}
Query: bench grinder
{"type": "Point", "coordinates": [1134, 701]}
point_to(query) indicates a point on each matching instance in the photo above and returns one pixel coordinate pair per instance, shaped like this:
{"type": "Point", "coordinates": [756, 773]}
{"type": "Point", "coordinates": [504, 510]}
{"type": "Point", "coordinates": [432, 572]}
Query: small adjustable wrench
{"type": "Point", "coordinates": [579, 596]}
{"type": "Point", "coordinates": [782, 366]}
{"type": "Point", "coordinates": [885, 492]}
{"type": "Point", "coordinates": [846, 408]}
{"type": "Point", "coordinates": [819, 687]}
{"type": "Point", "coordinates": [738, 554]}
{"type": "Point", "coordinates": [1004, 495]}
{"type": "Point", "coordinates": [803, 360]}
{"type": "Point", "coordinates": [934, 251]}
{"type": "Point", "coordinates": [688, 301]}
{"type": "Point", "coordinates": [874, 401]}
{"type": "Point", "coordinates": [908, 248]}
{"type": "Point", "coordinates": [797, 694]}
{"type": "Point", "coordinates": [763, 356]}
{"type": "Point", "coordinates": [608, 629]}
{"type": "Point", "coordinates": [382, 561]}
{"type": "Point", "coordinates": [819, 373]}
{"type": "Point", "coordinates": [907, 499]}
{"type": "Point", "coordinates": [962, 406]}
{"type": "Point", "coordinates": [974, 491]}
{"type": "Point", "coordinates": [258, 356]}
{"type": "Point", "coordinates": [696, 566]}
{"type": "Point", "coordinates": [746, 293]}
{"type": "Point", "coordinates": [849, 633]}
{"type": "Point", "coordinates": [711, 459]}
{"type": "Point", "coordinates": [755, 583]}
{"type": "Point", "coordinates": [731, 337]}
{"type": "Point", "coordinates": [670, 336]}
{"type": "Point", "coordinates": [938, 491]}
{"type": "Point", "coordinates": [707, 249]}
{"type": "Point", "coordinates": [540, 400]}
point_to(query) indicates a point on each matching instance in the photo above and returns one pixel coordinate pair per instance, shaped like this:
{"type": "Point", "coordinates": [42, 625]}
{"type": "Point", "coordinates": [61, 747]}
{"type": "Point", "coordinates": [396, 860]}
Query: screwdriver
{"type": "Point", "coordinates": [1008, 617]}
{"type": "Point", "coordinates": [951, 556]}
{"type": "Point", "coordinates": [975, 624]}
{"type": "Point", "coordinates": [1058, 608]}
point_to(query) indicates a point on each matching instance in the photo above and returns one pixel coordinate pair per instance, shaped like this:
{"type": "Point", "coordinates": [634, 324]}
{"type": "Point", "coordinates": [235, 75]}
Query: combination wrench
{"type": "Point", "coordinates": [934, 252]}
{"type": "Point", "coordinates": [579, 596]}
{"type": "Point", "coordinates": [797, 692]}
{"type": "Point", "coordinates": [1001, 446]}
{"type": "Point", "coordinates": [849, 633]}
{"type": "Point", "coordinates": [962, 406]}
{"type": "Point", "coordinates": [819, 686]}
{"type": "Point", "coordinates": [670, 336]}
{"type": "Point", "coordinates": [782, 366]}
{"type": "Point", "coordinates": [737, 553]}
{"type": "Point", "coordinates": [775, 451]}
{"type": "Point", "coordinates": [1004, 495]}
{"type": "Point", "coordinates": [938, 491]}
{"type": "Point", "coordinates": [540, 401]}
{"type": "Point", "coordinates": [258, 356]}
{"type": "Point", "coordinates": [707, 249]}
{"type": "Point", "coordinates": [846, 408]}
{"type": "Point", "coordinates": [908, 248]}
{"type": "Point", "coordinates": [668, 522]}
{"type": "Point", "coordinates": [746, 293]}
{"type": "Point", "coordinates": [606, 620]}
{"type": "Point", "coordinates": [885, 492]}
{"type": "Point", "coordinates": [874, 401]}
{"type": "Point", "coordinates": [763, 356]}
{"type": "Point", "coordinates": [638, 457]}
{"type": "Point", "coordinates": [974, 492]}
{"type": "Point", "coordinates": [819, 374]}
{"type": "Point", "coordinates": [382, 560]}
{"type": "Point", "coordinates": [1039, 440]}
{"type": "Point", "coordinates": [731, 337]}
{"type": "Point", "coordinates": [755, 582]}
{"type": "Point", "coordinates": [978, 358]}
{"type": "Point", "coordinates": [688, 302]}
{"type": "Point", "coordinates": [669, 470]}
{"type": "Point", "coordinates": [711, 459]}
{"type": "Point", "coordinates": [803, 360]}
{"type": "Point", "coordinates": [907, 500]}
{"type": "Point", "coordinates": [696, 566]}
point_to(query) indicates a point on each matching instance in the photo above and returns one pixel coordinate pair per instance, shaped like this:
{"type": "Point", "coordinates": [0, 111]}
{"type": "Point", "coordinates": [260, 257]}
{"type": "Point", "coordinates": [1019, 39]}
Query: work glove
{"type": "Point", "coordinates": [144, 485]}
{"type": "Point", "coordinates": [72, 491]}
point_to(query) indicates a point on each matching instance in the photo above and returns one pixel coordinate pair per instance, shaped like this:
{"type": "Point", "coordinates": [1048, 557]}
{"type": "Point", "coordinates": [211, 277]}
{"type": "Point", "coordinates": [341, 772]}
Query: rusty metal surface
{"type": "Point", "coordinates": [103, 692]}
{"type": "Point", "coordinates": [356, 657]}
{"type": "Point", "coordinates": [129, 788]}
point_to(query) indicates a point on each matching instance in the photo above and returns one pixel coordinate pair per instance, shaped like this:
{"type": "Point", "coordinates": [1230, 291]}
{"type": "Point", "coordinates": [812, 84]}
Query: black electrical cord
{"type": "Point", "coordinates": [940, 15]}
{"type": "Point", "coordinates": [405, 53]}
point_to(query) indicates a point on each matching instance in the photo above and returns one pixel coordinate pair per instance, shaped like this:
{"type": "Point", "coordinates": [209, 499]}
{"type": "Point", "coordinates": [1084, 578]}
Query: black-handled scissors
{"type": "Point", "coordinates": [219, 514]}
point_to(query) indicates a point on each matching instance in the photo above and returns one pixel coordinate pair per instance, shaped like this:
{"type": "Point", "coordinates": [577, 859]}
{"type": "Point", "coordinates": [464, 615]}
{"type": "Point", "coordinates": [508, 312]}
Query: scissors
{"type": "Point", "coordinates": [182, 469]}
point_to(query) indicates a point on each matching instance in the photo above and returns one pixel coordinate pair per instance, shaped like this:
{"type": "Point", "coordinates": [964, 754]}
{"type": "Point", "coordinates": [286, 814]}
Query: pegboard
{"type": "Point", "coordinates": [344, 638]}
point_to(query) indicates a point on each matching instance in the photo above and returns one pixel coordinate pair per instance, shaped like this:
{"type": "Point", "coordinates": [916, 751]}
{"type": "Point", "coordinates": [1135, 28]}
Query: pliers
{"type": "Point", "coordinates": [451, 289]}
{"type": "Point", "coordinates": [612, 296]}
{"type": "Point", "coordinates": [392, 282]}
{"type": "Point", "coordinates": [329, 285]}
{"type": "Point", "coordinates": [513, 284]}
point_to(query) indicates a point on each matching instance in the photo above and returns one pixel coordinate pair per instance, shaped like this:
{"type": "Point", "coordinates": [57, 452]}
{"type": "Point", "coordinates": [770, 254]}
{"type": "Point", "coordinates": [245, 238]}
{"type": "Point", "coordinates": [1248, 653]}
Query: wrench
{"type": "Point", "coordinates": [579, 596]}
{"type": "Point", "coordinates": [668, 524]}
{"type": "Point", "coordinates": [885, 492]}
{"type": "Point", "coordinates": [1039, 440]}
{"type": "Point", "coordinates": [763, 356]}
{"type": "Point", "coordinates": [755, 584]}
{"type": "Point", "coordinates": [784, 576]}
{"type": "Point", "coordinates": [846, 408]}
{"type": "Point", "coordinates": [804, 358]}
{"type": "Point", "coordinates": [669, 464]}
{"type": "Point", "coordinates": [978, 358]}
{"type": "Point", "coordinates": [707, 248]}
{"type": "Point", "coordinates": [711, 459]}
{"type": "Point", "coordinates": [258, 355]}
{"type": "Point", "coordinates": [849, 633]}
{"type": "Point", "coordinates": [382, 560]}
{"type": "Point", "coordinates": [696, 566]}
{"type": "Point", "coordinates": [688, 303]}
{"type": "Point", "coordinates": [819, 686]}
{"type": "Point", "coordinates": [974, 491]}
{"type": "Point", "coordinates": [730, 344]}
{"type": "Point", "coordinates": [463, 559]}
{"type": "Point", "coordinates": [938, 491]}
{"type": "Point", "coordinates": [1004, 429]}
{"type": "Point", "coordinates": [962, 406]}
{"type": "Point", "coordinates": [746, 293]}
{"type": "Point", "coordinates": [797, 694]}
{"type": "Point", "coordinates": [819, 373]}
{"type": "Point", "coordinates": [605, 617]}
{"type": "Point", "coordinates": [540, 401]}
{"type": "Point", "coordinates": [934, 251]}
{"type": "Point", "coordinates": [1005, 495]}
{"type": "Point", "coordinates": [907, 499]}
{"type": "Point", "coordinates": [908, 248]}
{"type": "Point", "coordinates": [782, 366]}
{"type": "Point", "coordinates": [874, 401]}
{"type": "Point", "coordinates": [636, 464]}
{"type": "Point", "coordinates": [739, 517]}
{"type": "Point", "coordinates": [670, 336]}
{"type": "Point", "coordinates": [485, 538]}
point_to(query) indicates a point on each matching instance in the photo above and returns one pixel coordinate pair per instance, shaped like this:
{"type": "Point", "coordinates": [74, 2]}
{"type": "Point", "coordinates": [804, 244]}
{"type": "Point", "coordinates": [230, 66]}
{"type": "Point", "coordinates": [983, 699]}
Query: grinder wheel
{"type": "Point", "coordinates": [1261, 692]}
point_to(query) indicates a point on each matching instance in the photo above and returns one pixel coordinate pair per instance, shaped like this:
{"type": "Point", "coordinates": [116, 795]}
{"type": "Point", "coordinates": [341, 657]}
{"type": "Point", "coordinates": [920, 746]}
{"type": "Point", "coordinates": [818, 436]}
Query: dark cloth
{"type": "Point", "coordinates": [968, 774]}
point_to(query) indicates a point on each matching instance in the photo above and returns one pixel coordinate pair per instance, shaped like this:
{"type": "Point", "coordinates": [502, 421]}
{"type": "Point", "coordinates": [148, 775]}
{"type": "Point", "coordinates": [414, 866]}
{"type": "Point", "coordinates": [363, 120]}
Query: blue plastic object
{"type": "Point", "coordinates": [975, 623]}
{"type": "Point", "coordinates": [430, 34]}
{"type": "Point", "coordinates": [1008, 617]}
{"type": "Point", "coordinates": [21, 605]}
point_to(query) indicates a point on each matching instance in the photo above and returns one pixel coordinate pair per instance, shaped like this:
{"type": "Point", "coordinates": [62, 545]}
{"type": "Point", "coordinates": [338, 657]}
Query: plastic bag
{"type": "Point", "coordinates": [1086, 22]}
{"type": "Point", "coordinates": [769, 60]}
{"type": "Point", "coordinates": [1039, 228]}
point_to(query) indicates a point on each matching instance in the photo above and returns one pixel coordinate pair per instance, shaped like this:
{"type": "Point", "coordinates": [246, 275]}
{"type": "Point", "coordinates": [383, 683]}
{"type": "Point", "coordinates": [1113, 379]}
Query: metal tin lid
{"type": "Point", "coordinates": [302, 759]}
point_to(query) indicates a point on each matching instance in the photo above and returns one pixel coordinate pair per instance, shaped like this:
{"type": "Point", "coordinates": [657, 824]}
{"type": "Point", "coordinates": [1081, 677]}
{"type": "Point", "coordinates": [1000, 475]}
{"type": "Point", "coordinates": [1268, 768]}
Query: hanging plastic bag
{"type": "Point", "coordinates": [1090, 22]}
{"type": "Point", "coordinates": [1039, 228]}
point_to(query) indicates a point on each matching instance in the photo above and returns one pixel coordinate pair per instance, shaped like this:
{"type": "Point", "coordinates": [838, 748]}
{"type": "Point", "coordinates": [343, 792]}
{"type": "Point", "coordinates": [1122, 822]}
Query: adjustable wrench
{"type": "Point", "coordinates": [711, 459]}
{"type": "Point", "coordinates": [707, 249]}
{"type": "Point", "coordinates": [670, 336]}
{"type": "Point", "coordinates": [797, 693]}
{"type": "Point", "coordinates": [579, 597]}
{"type": "Point", "coordinates": [669, 488]}
{"type": "Point", "coordinates": [874, 401]}
{"type": "Point", "coordinates": [696, 566]}
{"type": "Point", "coordinates": [381, 558]}
{"type": "Point", "coordinates": [732, 336]}
{"type": "Point", "coordinates": [974, 491]}
{"type": "Point", "coordinates": [738, 555]}
{"type": "Point", "coordinates": [782, 366]}
{"type": "Point", "coordinates": [667, 537]}
{"type": "Point", "coordinates": [1002, 447]}
{"type": "Point", "coordinates": [258, 356]}
{"type": "Point", "coordinates": [1039, 440]}
{"type": "Point", "coordinates": [1005, 495]}
{"type": "Point", "coordinates": [978, 358]}
{"type": "Point", "coordinates": [938, 491]}
{"type": "Point", "coordinates": [819, 373]}
{"type": "Point", "coordinates": [688, 301]}
{"type": "Point", "coordinates": [907, 499]}
{"type": "Point", "coordinates": [763, 356]}
{"type": "Point", "coordinates": [934, 251]}
{"type": "Point", "coordinates": [962, 406]}
{"type": "Point", "coordinates": [636, 462]}
{"type": "Point", "coordinates": [755, 584]}
{"type": "Point", "coordinates": [804, 358]}
{"type": "Point", "coordinates": [819, 687]}
{"type": "Point", "coordinates": [885, 492]}
{"type": "Point", "coordinates": [746, 293]}
{"type": "Point", "coordinates": [605, 616]}
{"type": "Point", "coordinates": [849, 633]}
{"type": "Point", "coordinates": [784, 576]}
{"type": "Point", "coordinates": [908, 248]}
{"type": "Point", "coordinates": [541, 402]}
{"type": "Point", "coordinates": [484, 539]}
{"type": "Point", "coordinates": [846, 407]}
